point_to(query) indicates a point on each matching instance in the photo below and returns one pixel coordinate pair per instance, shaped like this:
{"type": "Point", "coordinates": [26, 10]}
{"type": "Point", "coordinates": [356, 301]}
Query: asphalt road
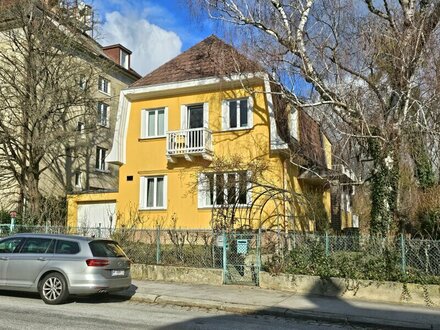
{"type": "Point", "coordinates": [25, 311]}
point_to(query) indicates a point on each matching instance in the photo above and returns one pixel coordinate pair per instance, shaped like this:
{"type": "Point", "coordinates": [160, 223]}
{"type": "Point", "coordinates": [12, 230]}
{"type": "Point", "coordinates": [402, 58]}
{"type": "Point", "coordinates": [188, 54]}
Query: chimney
{"type": "Point", "coordinates": [118, 54]}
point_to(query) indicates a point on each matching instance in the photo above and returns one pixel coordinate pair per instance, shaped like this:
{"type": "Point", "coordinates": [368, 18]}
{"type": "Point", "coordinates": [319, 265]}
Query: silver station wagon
{"type": "Point", "coordinates": [59, 265]}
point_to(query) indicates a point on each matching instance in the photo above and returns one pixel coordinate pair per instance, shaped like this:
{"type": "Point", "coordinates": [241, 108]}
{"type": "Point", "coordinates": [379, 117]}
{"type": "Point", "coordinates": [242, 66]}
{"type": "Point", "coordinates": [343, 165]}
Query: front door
{"type": "Point", "coordinates": [7, 248]}
{"type": "Point", "coordinates": [25, 266]}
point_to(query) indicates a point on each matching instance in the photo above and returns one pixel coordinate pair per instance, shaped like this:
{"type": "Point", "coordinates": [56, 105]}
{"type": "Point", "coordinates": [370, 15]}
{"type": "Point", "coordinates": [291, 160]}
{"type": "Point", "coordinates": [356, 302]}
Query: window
{"type": "Point", "coordinates": [78, 179]}
{"type": "Point", "coordinates": [100, 159]}
{"type": "Point", "coordinates": [82, 82]}
{"type": "Point", "coordinates": [194, 116]}
{"type": "Point", "coordinates": [66, 247]}
{"type": "Point", "coordinates": [237, 114]}
{"type": "Point", "coordinates": [106, 249]}
{"type": "Point", "coordinates": [153, 192]}
{"type": "Point", "coordinates": [9, 245]}
{"type": "Point", "coordinates": [103, 114]}
{"type": "Point", "coordinates": [153, 123]}
{"type": "Point", "coordinates": [80, 127]}
{"type": "Point", "coordinates": [104, 85]}
{"type": "Point", "coordinates": [37, 245]}
{"type": "Point", "coordinates": [224, 189]}
{"type": "Point", "coordinates": [124, 59]}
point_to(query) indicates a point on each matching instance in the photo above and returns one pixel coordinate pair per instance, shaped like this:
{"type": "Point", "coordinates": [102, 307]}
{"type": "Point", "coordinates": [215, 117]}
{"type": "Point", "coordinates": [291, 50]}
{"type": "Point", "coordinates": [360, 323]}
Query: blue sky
{"type": "Point", "coordinates": [155, 31]}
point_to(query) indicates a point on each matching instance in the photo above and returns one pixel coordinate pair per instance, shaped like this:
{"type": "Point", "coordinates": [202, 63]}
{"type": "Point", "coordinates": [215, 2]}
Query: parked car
{"type": "Point", "coordinates": [59, 265]}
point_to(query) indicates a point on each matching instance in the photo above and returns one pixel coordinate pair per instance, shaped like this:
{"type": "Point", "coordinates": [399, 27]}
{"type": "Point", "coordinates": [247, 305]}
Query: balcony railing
{"type": "Point", "coordinates": [189, 142]}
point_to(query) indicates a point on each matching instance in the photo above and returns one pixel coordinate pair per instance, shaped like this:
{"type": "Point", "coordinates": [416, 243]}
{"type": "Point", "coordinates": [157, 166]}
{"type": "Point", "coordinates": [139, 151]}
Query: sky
{"type": "Point", "coordinates": [155, 31]}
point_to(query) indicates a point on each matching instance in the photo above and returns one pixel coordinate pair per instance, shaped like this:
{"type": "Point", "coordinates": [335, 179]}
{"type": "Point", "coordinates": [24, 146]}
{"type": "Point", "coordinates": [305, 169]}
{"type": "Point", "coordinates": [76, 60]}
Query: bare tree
{"type": "Point", "coordinates": [369, 67]}
{"type": "Point", "coordinates": [47, 72]}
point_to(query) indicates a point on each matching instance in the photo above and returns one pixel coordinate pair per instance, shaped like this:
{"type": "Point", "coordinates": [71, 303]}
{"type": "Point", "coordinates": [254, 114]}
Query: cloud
{"type": "Point", "coordinates": [151, 45]}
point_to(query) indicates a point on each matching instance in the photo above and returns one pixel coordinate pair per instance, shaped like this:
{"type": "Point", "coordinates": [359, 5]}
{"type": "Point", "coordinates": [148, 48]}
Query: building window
{"type": "Point", "coordinates": [104, 85]}
{"type": "Point", "coordinates": [124, 59]}
{"type": "Point", "coordinates": [194, 116]}
{"type": "Point", "coordinates": [237, 114]}
{"type": "Point", "coordinates": [153, 123]}
{"type": "Point", "coordinates": [80, 128]}
{"type": "Point", "coordinates": [82, 82]}
{"type": "Point", "coordinates": [153, 192]}
{"type": "Point", "coordinates": [78, 179]}
{"type": "Point", "coordinates": [100, 159]}
{"type": "Point", "coordinates": [231, 188]}
{"type": "Point", "coordinates": [103, 114]}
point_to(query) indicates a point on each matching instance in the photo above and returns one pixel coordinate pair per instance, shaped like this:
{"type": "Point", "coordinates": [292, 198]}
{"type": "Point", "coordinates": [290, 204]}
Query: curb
{"type": "Point", "coordinates": [279, 312]}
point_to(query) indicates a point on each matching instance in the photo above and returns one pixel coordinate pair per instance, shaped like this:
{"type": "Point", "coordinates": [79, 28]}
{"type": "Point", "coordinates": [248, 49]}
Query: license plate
{"type": "Point", "coordinates": [118, 273]}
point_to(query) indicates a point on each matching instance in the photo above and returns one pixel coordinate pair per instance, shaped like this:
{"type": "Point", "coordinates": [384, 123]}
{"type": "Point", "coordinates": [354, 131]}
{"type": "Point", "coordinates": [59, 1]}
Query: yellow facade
{"type": "Point", "coordinates": [242, 148]}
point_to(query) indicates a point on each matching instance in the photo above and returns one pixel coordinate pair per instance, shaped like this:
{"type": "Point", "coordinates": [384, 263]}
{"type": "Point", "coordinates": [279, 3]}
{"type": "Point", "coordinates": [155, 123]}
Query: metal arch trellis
{"type": "Point", "coordinates": [240, 226]}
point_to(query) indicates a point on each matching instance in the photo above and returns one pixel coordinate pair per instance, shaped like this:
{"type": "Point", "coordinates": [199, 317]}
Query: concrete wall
{"type": "Point", "coordinates": [387, 292]}
{"type": "Point", "coordinates": [177, 274]}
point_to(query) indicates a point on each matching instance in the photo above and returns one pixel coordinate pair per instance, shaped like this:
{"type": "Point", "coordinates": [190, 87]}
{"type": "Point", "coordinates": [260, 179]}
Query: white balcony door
{"type": "Point", "coordinates": [195, 116]}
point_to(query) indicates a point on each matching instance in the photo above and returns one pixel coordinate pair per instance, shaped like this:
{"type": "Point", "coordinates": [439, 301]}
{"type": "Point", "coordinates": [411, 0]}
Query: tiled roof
{"type": "Point", "coordinates": [211, 57]}
{"type": "Point", "coordinates": [311, 140]}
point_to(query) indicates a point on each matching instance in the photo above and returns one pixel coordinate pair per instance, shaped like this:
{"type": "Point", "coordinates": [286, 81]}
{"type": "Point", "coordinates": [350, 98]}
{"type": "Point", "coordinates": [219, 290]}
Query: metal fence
{"type": "Point", "coordinates": [346, 256]}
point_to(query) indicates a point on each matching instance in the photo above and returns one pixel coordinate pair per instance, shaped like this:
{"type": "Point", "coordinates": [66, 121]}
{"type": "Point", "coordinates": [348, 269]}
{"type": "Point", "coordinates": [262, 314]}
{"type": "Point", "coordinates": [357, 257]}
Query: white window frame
{"type": "Point", "coordinates": [226, 117]}
{"type": "Point", "coordinates": [101, 158]}
{"type": "Point", "coordinates": [145, 123]}
{"type": "Point", "coordinates": [127, 57]}
{"type": "Point", "coordinates": [78, 179]}
{"type": "Point", "coordinates": [107, 118]}
{"type": "Point", "coordinates": [81, 127]}
{"type": "Point", "coordinates": [184, 114]}
{"type": "Point", "coordinates": [204, 189]}
{"type": "Point", "coordinates": [143, 193]}
{"type": "Point", "coordinates": [102, 82]}
{"type": "Point", "coordinates": [82, 82]}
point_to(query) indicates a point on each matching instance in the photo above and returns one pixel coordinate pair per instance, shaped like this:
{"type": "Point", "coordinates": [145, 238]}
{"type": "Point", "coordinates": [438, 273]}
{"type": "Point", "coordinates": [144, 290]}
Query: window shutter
{"type": "Point", "coordinates": [225, 115]}
{"type": "Point", "coordinates": [250, 112]}
{"type": "Point", "coordinates": [183, 120]}
{"type": "Point", "coordinates": [248, 187]}
{"type": "Point", "coordinates": [142, 193]}
{"type": "Point", "coordinates": [201, 187]}
{"type": "Point", "coordinates": [165, 191]}
{"type": "Point", "coordinates": [206, 115]}
{"type": "Point", "coordinates": [143, 123]}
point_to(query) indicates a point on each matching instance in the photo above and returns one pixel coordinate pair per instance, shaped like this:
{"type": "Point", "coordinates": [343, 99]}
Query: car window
{"type": "Point", "coordinates": [106, 249]}
{"type": "Point", "coordinates": [36, 245]}
{"type": "Point", "coordinates": [10, 244]}
{"type": "Point", "coordinates": [66, 247]}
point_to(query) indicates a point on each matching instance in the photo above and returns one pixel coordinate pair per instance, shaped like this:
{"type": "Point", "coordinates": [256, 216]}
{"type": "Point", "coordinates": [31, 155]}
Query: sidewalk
{"type": "Point", "coordinates": [253, 300]}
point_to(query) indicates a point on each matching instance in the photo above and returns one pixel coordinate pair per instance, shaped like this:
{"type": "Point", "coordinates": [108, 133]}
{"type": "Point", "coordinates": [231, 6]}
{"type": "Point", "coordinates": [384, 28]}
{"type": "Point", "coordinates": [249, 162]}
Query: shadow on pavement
{"type": "Point", "coordinates": [93, 299]}
{"type": "Point", "coordinates": [329, 310]}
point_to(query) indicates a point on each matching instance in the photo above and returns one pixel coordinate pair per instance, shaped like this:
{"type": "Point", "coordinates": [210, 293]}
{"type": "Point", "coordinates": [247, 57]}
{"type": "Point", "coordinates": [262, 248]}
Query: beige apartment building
{"type": "Point", "coordinates": [81, 166]}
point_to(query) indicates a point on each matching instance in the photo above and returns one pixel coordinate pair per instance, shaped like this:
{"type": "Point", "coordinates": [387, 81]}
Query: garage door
{"type": "Point", "coordinates": [97, 215]}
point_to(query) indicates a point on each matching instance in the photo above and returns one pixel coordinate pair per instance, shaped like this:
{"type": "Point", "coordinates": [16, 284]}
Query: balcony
{"type": "Point", "coordinates": [189, 143]}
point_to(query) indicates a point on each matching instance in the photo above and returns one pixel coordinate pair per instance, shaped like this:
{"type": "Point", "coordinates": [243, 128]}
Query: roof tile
{"type": "Point", "coordinates": [211, 57]}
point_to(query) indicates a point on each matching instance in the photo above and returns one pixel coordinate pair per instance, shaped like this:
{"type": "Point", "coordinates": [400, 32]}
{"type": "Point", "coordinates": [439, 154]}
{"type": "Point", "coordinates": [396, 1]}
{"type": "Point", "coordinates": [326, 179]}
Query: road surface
{"type": "Point", "coordinates": [27, 311]}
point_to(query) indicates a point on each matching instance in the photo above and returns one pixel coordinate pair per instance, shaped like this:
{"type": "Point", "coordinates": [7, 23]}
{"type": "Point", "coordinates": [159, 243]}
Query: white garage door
{"type": "Point", "coordinates": [97, 215]}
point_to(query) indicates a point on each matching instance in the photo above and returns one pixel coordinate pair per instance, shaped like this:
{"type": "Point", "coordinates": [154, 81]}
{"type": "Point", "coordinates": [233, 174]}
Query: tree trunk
{"type": "Point", "coordinates": [384, 187]}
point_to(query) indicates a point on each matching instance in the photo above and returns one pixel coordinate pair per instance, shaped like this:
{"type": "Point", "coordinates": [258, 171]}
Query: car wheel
{"type": "Point", "coordinates": [53, 289]}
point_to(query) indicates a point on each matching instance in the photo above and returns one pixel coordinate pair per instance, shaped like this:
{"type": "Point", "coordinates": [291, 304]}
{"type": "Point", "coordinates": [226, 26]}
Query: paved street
{"type": "Point", "coordinates": [24, 311]}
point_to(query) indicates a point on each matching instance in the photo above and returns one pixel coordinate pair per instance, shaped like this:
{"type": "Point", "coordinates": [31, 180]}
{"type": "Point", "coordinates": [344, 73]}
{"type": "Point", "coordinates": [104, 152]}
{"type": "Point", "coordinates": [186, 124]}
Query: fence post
{"type": "Point", "coordinates": [327, 247]}
{"type": "Point", "coordinates": [224, 257]}
{"type": "Point", "coordinates": [158, 245]}
{"type": "Point", "coordinates": [257, 276]}
{"type": "Point", "coordinates": [403, 253]}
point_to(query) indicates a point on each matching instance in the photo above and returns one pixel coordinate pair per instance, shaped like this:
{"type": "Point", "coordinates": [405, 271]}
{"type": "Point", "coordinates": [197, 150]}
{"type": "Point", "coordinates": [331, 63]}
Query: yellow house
{"type": "Point", "coordinates": [197, 146]}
